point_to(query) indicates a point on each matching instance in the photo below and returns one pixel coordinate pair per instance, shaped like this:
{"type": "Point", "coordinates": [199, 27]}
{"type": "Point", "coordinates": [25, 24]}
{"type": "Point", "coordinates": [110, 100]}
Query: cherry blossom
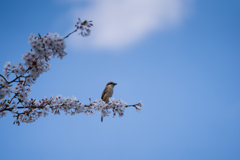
{"type": "Point", "coordinates": [84, 27]}
{"type": "Point", "coordinates": [35, 62]}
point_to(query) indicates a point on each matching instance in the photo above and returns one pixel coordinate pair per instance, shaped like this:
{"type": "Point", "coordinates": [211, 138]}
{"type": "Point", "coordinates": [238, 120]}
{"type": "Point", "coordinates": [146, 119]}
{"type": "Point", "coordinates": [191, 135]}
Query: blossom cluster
{"type": "Point", "coordinates": [84, 27]}
{"type": "Point", "coordinates": [16, 69]}
{"type": "Point", "coordinates": [35, 61]}
{"type": "Point", "coordinates": [117, 106]}
{"type": "Point", "coordinates": [34, 109]}
{"type": "Point", "coordinates": [50, 44]}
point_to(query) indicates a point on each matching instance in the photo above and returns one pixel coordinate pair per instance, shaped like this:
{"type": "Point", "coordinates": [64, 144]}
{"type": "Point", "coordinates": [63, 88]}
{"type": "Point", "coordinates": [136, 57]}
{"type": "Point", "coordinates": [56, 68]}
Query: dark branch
{"type": "Point", "coordinates": [3, 78]}
{"type": "Point", "coordinates": [19, 76]}
{"type": "Point", "coordinates": [71, 33]}
{"type": "Point", "coordinates": [15, 79]}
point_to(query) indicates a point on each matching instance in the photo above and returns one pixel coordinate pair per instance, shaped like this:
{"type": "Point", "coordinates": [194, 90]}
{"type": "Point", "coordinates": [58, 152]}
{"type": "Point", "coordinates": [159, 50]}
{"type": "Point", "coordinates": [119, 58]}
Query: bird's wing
{"type": "Point", "coordinates": [104, 91]}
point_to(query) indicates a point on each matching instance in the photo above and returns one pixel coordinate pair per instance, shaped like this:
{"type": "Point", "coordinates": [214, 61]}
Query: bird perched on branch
{"type": "Point", "coordinates": [107, 93]}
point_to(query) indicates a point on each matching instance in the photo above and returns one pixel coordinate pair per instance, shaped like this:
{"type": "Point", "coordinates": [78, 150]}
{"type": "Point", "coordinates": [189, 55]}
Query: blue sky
{"type": "Point", "coordinates": [180, 57]}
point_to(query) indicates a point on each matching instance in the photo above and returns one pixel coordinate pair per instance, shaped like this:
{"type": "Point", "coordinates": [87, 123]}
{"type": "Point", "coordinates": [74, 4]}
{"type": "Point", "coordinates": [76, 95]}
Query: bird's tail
{"type": "Point", "coordinates": [101, 119]}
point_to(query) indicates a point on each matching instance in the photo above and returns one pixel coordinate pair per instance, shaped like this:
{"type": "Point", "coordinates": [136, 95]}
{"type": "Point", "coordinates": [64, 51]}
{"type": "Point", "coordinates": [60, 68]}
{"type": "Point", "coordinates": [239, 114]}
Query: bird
{"type": "Point", "coordinates": [107, 93]}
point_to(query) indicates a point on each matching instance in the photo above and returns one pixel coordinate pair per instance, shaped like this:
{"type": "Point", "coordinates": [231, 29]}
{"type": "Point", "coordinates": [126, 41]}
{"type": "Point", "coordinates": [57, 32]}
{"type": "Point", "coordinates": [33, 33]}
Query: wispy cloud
{"type": "Point", "coordinates": [120, 23]}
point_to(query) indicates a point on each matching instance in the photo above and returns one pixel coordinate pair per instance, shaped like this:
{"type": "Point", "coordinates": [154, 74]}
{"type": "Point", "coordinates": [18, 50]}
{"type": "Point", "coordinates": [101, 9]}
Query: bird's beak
{"type": "Point", "coordinates": [115, 84]}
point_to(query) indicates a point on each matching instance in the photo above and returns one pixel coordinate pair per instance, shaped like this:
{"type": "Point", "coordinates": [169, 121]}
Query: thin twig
{"type": "Point", "coordinates": [3, 78]}
{"type": "Point", "coordinates": [15, 79]}
{"type": "Point", "coordinates": [13, 98]}
{"type": "Point", "coordinates": [134, 105]}
{"type": "Point", "coordinates": [71, 33]}
{"type": "Point", "coordinates": [19, 76]}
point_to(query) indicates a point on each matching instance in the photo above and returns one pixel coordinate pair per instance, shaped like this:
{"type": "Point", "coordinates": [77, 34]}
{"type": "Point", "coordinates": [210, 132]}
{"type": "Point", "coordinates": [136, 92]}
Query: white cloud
{"type": "Point", "coordinates": [120, 23]}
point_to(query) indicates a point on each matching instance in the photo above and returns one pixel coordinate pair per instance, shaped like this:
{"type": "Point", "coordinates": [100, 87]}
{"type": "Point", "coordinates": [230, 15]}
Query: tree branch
{"type": "Point", "coordinates": [14, 80]}
{"type": "Point", "coordinates": [70, 33]}
{"type": "Point", "coordinates": [3, 78]}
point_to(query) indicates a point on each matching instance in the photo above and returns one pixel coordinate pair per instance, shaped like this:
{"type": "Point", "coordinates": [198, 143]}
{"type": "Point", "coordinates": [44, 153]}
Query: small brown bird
{"type": "Point", "coordinates": [107, 93]}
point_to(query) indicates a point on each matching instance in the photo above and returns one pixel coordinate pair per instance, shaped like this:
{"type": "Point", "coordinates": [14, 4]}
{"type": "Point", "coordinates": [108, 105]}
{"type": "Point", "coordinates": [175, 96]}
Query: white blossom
{"type": "Point", "coordinates": [84, 27]}
{"type": "Point", "coordinates": [138, 109]}
{"type": "Point", "coordinates": [16, 89]}
{"type": "Point", "coordinates": [104, 113]}
{"type": "Point", "coordinates": [140, 103]}
{"type": "Point", "coordinates": [2, 114]}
